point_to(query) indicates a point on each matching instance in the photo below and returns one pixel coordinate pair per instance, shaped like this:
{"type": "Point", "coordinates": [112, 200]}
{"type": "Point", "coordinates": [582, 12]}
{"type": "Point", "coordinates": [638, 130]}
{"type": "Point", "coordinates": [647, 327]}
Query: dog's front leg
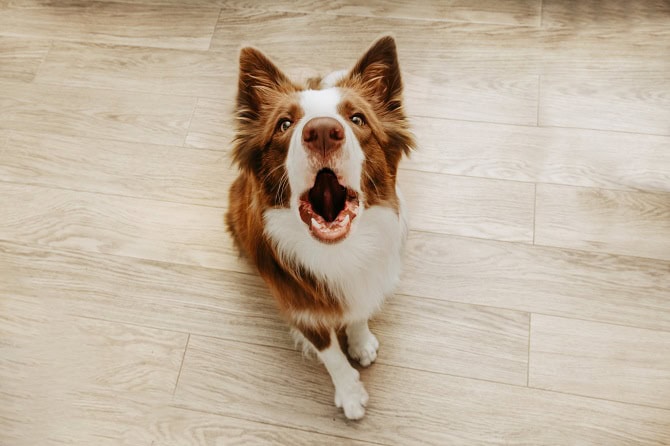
{"type": "Point", "coordinates": [363, 344]}
{"type": "Point", "coordinates": [350, 394]}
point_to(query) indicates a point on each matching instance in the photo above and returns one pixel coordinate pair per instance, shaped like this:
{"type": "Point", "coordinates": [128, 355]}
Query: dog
{"type": "Point", "coordinates": [315, 206]}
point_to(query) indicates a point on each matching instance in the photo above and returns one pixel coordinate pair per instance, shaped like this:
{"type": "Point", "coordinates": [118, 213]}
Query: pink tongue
{"type": "Point", "coordinates": [327, 197]}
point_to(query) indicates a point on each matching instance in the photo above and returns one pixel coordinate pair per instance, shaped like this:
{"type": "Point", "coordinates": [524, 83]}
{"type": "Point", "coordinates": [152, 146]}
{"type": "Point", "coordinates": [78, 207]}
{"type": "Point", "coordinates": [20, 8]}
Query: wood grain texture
{"type": "Point", "coordinates": [4, 135]}
{"type": "Point", "coordinates": [599, 287]}
{"type": "Point", "coordinates": [166, 296]}
{"type": "Point", "coordinates": [621, 222]}
{"type": "Point", "coordinates": [110, 22]}
{"type": "Point", "coordinates": [515, 12]}
{"type": "Point", "coordinates": [579, 51]}
{"type": "Point", "coordinates": [572, 13]}
{"type": "Point", "coordinates": [604, 361]}
{"type": "Point", "coordinates": [212, 126]}
{"type": "Point", "coordinates": [20, 58]}
{"type": "Point", "coordinates": [147, 229]}
{"type": "Point", "coordinates": [466, 48]}
{"type": "Point", "coordinates": [229, 305]}
{"type": "Point", "coordinates": [227, 378]}
{"type": "Point", "coordinates": [472, 96]}
{"type": "Point", "coordinates": [541, 154]}
{"type": "Point", "coordinates": [142, 69]}
{"type": "Point", "coordinates": [137, 117]}
{"type": "Point", "coordinates": [463, 45]}
{"type": "Point", "coordinates": [173, 426]}
{"type": "Point", "coordinates": [633, 103]}
{"type": "Point", "coordinates": [165, 173]}
{"type": "Point", "coordinates": [472, 207]}
{"type": "Point", "coordinates": [65, 380]}
{"type": "Point", "coordinates": [410, 329]}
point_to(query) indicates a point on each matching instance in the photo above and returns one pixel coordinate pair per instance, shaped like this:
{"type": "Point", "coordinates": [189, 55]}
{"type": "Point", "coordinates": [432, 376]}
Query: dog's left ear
{"type": "Point", "coordinates": [378, 72]}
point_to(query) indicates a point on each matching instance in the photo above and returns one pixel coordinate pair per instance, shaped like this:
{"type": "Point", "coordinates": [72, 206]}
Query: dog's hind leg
{"type": "Point", "coordinates": [350, 394]}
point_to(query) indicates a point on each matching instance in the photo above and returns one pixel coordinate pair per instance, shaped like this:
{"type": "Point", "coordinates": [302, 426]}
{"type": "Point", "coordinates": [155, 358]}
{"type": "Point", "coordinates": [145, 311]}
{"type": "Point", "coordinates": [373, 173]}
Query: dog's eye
{"type": "Point", "coordinates": [357, 119]}
{"type": "Point", "coordinates": [284, 124]}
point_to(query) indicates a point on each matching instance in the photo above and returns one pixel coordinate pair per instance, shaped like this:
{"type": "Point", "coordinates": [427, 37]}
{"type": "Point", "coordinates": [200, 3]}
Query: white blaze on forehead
{"type": "Point", "coordinates": [333, 78]}
{"type": "Point", "coordinates": [320, 103]}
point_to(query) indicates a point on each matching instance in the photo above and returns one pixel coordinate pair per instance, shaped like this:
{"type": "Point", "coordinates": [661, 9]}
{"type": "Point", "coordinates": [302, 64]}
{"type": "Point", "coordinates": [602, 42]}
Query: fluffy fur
{"type": "Point", "coordinates": [316, 207]}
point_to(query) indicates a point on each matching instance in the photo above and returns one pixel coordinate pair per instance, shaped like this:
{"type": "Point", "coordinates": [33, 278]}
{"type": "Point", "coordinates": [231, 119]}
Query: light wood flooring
{"type": "Point", "coordinates": [534, 307]}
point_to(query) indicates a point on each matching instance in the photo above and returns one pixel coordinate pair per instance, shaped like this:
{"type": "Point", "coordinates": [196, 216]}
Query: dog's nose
{"type": "Point", "coordinates": [323, 135]}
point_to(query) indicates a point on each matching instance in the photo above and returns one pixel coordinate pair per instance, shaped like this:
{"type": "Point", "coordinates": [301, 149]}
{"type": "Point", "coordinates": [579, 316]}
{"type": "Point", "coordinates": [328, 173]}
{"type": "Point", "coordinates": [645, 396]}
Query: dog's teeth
{"type": "Point", "coordinates": [316, 224]}
{"type": "Point", "coordinates": [345, 221]}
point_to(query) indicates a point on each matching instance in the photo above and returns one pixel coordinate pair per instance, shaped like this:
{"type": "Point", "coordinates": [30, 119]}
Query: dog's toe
{"type": "Point", "coordinates": [364, 350]}
{"type": "Point", "coordinates": [352, 400]}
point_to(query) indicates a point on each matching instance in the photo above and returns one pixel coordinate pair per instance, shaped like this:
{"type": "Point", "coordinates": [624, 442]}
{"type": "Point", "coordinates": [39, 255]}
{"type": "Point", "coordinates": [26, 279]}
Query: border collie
{"type": "Point", "coordinates": [315, 206]}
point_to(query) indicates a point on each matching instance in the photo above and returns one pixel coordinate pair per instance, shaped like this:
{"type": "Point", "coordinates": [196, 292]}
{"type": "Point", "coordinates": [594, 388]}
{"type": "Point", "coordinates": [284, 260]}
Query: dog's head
{"type": "Point", "coordinates": [327, 151]}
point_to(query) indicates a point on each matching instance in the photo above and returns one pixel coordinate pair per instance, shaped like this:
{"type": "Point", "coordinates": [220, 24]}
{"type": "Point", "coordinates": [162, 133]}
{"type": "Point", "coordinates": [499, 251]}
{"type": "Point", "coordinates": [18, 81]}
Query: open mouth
{"type": "Point", "coordinates": [328, 208]}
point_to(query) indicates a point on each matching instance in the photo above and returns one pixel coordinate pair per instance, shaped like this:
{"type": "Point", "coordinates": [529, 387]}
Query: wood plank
{"type": "Point", "coordinates": [110, 22]}
{"type": "Point", "coordinates": [622, 102]}
{"type": "Point", "coordinates": [20, 58]}
{"type": "Point", "coordinates": [462, 45]}
{"type": "Point", "coordinates": [262, 383]}
{"type": "Point", "coordinates": [606, 36]}
{"type": "Point", "coordinates": [604, 49]}
{"type": "Point", "coordinates": [515, 12]}
{"type": "Point", "coordinates": [542, 154]}
{"type": "Point", "coordinates": [176, 426]}
{"type": "Point", "coordinates": [65, 379]}
{"type": "Point", "coordinates": [620, 222]}
{"type": "Point", "coordinates": [166, 173]}
{"type": "Point", "coordinates": [143, 69]}
{"type": "Point", "coordinates": [469, 49]}
{"type": "Point", "coordinates": [212, 126]}
{"type": "Point", "coordinates": [412, 329]}
{"type": "Point", "coordinates": [468, 95]}
{"type": "Point", "coordinates": [575, 13]}
{"type": "Point", "coordinates": [238, 306]}
{"type": "Point", "coordinates": [583, 285]}
{"type": "Point", "coordinates": [146, 229]}
{"type": "Point", "coordinates": [472, 207]}
{"type": "Point", "coordinates": [605, 361]}
{"type": "Point", "coordinates": [135, 117]}
{"type": "Point", "coordinates": [166, 296]}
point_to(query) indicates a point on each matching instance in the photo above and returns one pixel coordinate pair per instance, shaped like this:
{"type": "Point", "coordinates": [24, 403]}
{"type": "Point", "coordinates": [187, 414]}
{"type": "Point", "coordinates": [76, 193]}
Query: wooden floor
{"type": "Point", "coordinates": [534, 307]}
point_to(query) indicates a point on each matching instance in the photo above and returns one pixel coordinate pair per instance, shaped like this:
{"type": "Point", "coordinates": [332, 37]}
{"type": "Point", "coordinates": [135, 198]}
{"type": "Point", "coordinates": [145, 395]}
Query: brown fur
{"type": "Point", "coordinates": [265, 96]}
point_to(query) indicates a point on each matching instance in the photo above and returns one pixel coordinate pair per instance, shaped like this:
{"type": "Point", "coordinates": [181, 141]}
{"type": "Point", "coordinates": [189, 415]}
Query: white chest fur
{"type": "Point", "coordinates": [363, 268]}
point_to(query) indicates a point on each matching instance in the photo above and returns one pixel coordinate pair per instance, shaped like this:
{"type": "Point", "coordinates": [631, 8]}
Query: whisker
{"type": "Point", "coordinates": [283, 183]}
{"type": "Point", "coordinates": [272, 171]}
{"type": "Point", "coordinates": [372, 181]}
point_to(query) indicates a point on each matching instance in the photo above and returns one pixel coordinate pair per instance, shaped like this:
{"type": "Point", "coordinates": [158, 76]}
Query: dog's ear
{"type": "Point", "coordinates": [259, 78]}
{"type": "Point", "coordinates": [378, 72]}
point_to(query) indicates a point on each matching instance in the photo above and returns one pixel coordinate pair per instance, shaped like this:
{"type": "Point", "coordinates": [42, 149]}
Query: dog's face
{"type": "Point", "coordinates": [327, 152]}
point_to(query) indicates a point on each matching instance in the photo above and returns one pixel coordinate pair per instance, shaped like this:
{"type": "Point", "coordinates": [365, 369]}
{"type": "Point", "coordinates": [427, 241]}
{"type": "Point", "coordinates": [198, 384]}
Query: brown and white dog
{"type": "Point", "coordinates": [315, 206]}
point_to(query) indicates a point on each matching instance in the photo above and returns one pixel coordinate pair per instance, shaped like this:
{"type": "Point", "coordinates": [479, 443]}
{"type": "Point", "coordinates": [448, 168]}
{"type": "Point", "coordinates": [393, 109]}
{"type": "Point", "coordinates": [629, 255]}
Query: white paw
{"type": "Point", "coordinates": [364, 348]}
{"type": "Point", "coordinates": [352, 399]}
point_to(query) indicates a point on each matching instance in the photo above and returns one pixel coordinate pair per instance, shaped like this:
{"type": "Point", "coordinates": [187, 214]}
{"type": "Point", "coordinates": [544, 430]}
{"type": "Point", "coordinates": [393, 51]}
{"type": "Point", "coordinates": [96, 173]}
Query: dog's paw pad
{"type": "Point", "coordinates": [364, 350]}
{"type": "Point", "coordinates": [352, 400]}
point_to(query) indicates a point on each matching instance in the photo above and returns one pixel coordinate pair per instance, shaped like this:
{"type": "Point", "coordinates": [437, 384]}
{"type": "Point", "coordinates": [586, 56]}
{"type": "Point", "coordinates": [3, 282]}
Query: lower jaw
{"type": "Point", "coordinates": [329, 232]}
{"type": "Point", "coordinates": [329, 236]}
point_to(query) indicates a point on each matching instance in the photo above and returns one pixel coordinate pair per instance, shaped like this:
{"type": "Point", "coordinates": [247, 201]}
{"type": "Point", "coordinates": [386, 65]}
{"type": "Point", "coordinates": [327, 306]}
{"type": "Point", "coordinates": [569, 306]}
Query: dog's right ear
{"type": "Point", "coordinates": [259, 78]}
